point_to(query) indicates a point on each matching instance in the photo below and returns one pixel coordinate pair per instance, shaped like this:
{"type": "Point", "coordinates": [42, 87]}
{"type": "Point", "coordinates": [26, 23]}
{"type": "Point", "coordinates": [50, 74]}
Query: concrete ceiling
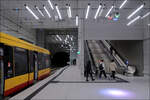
{"type": "Point", "coordinates": [15, 9]}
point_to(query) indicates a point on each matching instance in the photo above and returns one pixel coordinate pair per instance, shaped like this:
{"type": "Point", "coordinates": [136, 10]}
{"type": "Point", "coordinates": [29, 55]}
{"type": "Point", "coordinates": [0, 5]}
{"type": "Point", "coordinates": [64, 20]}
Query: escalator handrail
{"type": "Point", "coordinates": [90, 55]}
{"type": "Point", "coordinates": [116, 56]}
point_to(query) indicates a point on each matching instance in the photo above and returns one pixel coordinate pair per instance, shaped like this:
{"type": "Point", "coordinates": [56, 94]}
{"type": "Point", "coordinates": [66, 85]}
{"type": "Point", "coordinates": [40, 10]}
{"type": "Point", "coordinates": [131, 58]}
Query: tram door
{"type": "Point", "coordinates": [35, 67]}
{"type": "Point", "coordinates": [1, 71]}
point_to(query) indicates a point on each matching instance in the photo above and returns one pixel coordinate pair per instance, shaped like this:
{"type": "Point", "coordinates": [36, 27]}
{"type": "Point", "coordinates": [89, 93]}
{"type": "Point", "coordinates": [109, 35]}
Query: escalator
{"type": "Point", "coordinates": [98, 53]}
{"type": "Point", "coordinates": [102, 50]}
{"type": "Point", "coordinates": [123, 65]}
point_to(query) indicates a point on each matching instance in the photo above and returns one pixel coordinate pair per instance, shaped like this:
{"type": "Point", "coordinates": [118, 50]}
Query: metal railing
{"type": "Point", "coordinates": [119, 59]}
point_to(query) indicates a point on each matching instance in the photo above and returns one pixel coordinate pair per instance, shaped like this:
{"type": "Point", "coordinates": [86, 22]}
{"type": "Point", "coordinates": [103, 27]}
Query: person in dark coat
{"type": "Point", "coordinates": [89, 71]}
{"type": "Point", "coordinates": [102, 69]}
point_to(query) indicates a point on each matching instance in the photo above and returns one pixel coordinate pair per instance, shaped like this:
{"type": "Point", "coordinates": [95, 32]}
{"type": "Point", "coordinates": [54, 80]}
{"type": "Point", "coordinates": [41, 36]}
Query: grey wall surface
{"type": "Point", "coordinates": [132, 50]}
{"type": "Point", "coordinates": [104, 30]}
{"type": "Point", "coordinates": [146, 46]}
{"type": "Point", "coordinates": [40, 38]}
{"type": "Point", "coordinates": [10, 25]}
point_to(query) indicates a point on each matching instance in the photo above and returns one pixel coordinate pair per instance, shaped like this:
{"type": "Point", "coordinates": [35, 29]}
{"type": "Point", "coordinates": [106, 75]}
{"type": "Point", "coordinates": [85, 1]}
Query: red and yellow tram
{"type": "Point", "coordinates": [21, 63]}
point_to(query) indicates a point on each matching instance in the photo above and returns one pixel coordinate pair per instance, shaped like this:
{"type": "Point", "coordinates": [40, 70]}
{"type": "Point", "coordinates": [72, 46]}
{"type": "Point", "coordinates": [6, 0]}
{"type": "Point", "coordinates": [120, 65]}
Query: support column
{"type": "Point", "coordinates": [80, 60]}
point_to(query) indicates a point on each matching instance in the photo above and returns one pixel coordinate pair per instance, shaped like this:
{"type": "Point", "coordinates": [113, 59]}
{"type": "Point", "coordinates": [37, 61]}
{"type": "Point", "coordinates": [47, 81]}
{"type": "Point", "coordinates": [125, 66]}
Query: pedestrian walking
{"type": "Point", "coordinates": [112, 69]}
{"type": "Point", "coordinates": [88, 71]}
{"type": "Point", "coordinates": [102, 69]}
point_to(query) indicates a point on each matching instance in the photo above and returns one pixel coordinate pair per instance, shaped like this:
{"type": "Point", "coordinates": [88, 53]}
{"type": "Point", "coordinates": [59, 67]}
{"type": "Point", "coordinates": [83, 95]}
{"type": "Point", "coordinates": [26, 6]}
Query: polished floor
{"type": "Point", "coordinates": [68, 83]}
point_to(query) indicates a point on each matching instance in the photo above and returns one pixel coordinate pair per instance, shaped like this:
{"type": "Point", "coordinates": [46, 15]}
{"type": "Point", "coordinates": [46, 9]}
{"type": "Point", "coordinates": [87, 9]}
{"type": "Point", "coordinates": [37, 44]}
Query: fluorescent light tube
{"type": "Point", "coordinates": [51, 5]}
{"type": "Point", "coordinates": [101, 11]}
{"type": "Point", "coordinates": [132, 21]}
{"type": "Point", "coordinates": [58, 12]}
{"type": "Point", "coordinates": [125, 1]}
{"type": "Point", "coordinates": [97, 12]}
{"type": "Point", "coordinates": [109, 11]}
{"type": "Point", "coordinates": [39, 11]}
{"type": "Point", "coordinates": [87, 11]}
{"type": "Point", "coordinates": [56, 39]}
{"type": "Point", "coordinates": [148, 24]}
{"type": "Point", "coordinates": [77, 20]}
{"type": "Point", "coordinates": [36, 17]}
{"type": "Point", "coordinates": [59, 37]}
{"type": "Point", "coordinates": [69, 9]}
{"type": "Point", "coordinates": [47, 12]}
{"type": "Point", "coordinates": [145, 15]}
{"type": "Point", "coordinates": [138, 9]}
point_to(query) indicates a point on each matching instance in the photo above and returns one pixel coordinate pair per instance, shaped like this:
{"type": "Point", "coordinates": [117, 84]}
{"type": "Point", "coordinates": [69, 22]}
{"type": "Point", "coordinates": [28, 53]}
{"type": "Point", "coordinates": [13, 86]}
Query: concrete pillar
{"type": "Point", "coordinates": [80, 60]}
{"type": "Point", "coordinates": [146, 46]}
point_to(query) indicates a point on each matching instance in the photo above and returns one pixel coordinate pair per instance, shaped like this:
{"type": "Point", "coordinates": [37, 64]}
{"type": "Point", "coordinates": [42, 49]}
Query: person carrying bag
{"type": "Point", "coordinates": [101, 68]}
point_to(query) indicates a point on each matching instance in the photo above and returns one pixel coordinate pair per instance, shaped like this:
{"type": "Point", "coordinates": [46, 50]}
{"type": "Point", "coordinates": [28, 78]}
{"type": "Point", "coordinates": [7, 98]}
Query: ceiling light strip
{"type": "Point", "coordinates": [59, 37]}
{"type": "Point", "coordinates": [132, 21]}
{"type": "Point", "coordinates": [51, 5]}
{"type": "Point", "coordinates": [69, 9]}
{"type": "Point", "coordinates": [109, 11]}
{"type": "Point", "coordinates": [67, 6]}
{"type": "Point", "coordinates": [138, 9]}
{"type": "Point", "coordinates": [39, 11]}
{"type": "Point", "coordinates": [47, 12]}
{"type": "Point", "coordinates": [36, 17]}
{"type": "Point", "coordinates": [58, 11]}
{"type": "Point", "coordinates": [97, 12]}
{"type": "Point", "coordinates": [67, 36]}
{"type": "Point", "coordinates": [87, 11]}
{"type": "Point", "coordinates": [77, 20]}
{"type": "Point", "coordinates": [145, 15]}
{"type": "Point", "coordinates": [101, 10]}
{"type": "Point", "coordinates": [121, 6]}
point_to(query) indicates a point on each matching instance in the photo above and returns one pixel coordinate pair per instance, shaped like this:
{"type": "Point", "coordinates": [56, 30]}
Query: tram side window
{"type": "Point", "coordinates": [8, 62]}
{"type": "Point", "coordinates": [31, 58]}
{"type": "Point", "coordinates": [47, 61]}
{"type": "Point", "coordinates": [21, 63]}
{"type": "Point", "coordinates": [40, 61]}
{"type": "Point", "coordinates": [43, 61]}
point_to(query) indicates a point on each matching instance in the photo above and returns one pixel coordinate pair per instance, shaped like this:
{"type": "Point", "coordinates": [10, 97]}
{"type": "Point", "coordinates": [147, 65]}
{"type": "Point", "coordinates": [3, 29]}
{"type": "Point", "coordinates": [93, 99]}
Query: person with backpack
{"type": "Point", "coordinates": [102, 69]}
{"type": "Point", "coordinates": [88, 71]}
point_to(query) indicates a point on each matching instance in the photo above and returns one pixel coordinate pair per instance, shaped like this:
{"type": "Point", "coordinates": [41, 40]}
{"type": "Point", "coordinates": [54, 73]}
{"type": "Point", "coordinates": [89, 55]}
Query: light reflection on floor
{"type": "Point", "coordinates": [116, 93]}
